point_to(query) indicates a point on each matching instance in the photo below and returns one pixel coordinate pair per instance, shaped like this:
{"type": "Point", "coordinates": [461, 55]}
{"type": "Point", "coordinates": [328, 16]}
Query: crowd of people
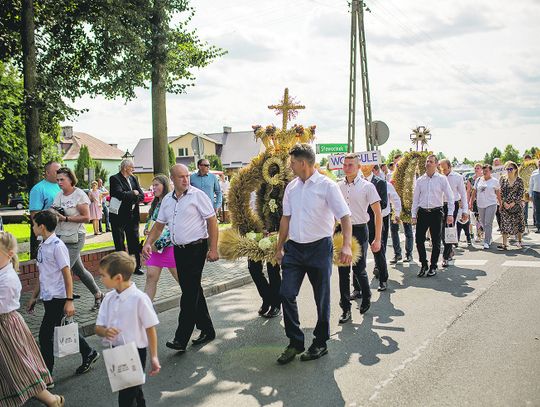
{"type": "Point", "coordinates": [181, 234]}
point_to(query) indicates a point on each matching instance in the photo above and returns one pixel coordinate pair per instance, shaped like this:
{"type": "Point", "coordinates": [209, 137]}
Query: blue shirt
{"type": "Point", "coordinates": [209, 184]}
{"type": "Point", "coordinates": [42, 195]}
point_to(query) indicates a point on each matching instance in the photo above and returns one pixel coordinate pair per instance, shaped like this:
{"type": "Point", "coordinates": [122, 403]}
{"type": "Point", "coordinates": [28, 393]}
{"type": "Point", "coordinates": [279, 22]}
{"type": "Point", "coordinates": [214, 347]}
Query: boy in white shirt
{"type": "Point", "coordinates": [127, 315]}
{"type": "Point", "coordinates": [55, 288]}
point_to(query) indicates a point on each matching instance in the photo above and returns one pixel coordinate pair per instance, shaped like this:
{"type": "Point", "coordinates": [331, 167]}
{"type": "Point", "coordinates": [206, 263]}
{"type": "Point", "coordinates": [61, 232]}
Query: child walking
{"type": "Point", "coordinates": [23, 373]}
{"type": "Point", "coordinates": [127, 315]}
{"type": "Point", "coordinates": [56, 290]}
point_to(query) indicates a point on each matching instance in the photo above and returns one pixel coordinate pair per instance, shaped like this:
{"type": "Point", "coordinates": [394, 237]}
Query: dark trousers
{"type": "Point", "coordinates": [409, 238]}
{"type": "Point", "coordinates": [498, 216]}
{"type": "Point", "coordinates": [268, 289]}
{"type": "Point", "coordinates": [193, 309]}
{"type": "Point", "coordinates": [360, 232]}
{"type": "Point", "coordinates": [536, 204]}
{"type": "Point", "coordinates": [448, 248]}
{"type": "Point", "coordinates": [466, 227]}
{"type": "Point", "coordinates": [54, 312]}
{"type": "Point", "coordinates": [315, 260]}
{"type": "Point", "coordinates": [133, 396]}
{"type": "Point", "coordinates": [129, 230]}
{"type": "Point", "coordinates": [380, 256]}
{"type": "Point", "coordinates": [385, 230]}
{"type": "Point", "coordinates": [431, 220]}
{"type": "Point", "coordinates": [104, 217]}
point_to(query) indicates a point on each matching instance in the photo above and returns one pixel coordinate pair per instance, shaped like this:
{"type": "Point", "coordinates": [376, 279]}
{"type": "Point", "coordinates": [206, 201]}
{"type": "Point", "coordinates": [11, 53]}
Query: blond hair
{"type": "Point", "coordinates": [7, 243]}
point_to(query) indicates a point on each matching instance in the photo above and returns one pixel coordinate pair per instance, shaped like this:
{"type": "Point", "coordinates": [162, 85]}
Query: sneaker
{"type": "Point", "coordinates": [396, 259]}
{"type": "Point", "coordinates": [445, 263]}
{"type": "Point", "coordinates": [50, 386]}
{"type": "Point", "coordinates": [469, 243]}
{"type": "Point", "coordinates": [408, 258]}
{"type": "Point", "coordinates": [288, 355]}
{"type": "Point", "coordinates": [314, 352]}
{"type": "Point", "coordinates": [486, 246]}
{"type": "Point", "coordinates": [88, 362]}
{"type": "Point", "coordinates": [382, 286]}
{"type": "Point", "coordinates": [345, 317]}
{"type": "Point", "coordinates": [432, 271]}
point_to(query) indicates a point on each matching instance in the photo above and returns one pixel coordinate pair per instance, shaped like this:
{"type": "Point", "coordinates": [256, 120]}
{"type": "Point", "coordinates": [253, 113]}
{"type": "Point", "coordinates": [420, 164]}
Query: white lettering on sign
{"type": "Point", "coordinates": [335, 161]}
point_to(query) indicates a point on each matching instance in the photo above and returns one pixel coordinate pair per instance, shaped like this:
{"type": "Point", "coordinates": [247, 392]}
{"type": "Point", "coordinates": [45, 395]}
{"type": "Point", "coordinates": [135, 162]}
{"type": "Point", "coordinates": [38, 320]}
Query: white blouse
{"type": "Point", "coordinates": [10, 289]}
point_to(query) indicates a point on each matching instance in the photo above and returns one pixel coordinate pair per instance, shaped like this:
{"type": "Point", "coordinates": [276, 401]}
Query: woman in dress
{"type": "Point", "coordinates": [72, 207]}
{"type": "Point", "coordinates": [512, 217]}
{"type": "Point", "coordinates": [23, 373]}
{"type": "Point", "coordinates": [95, 207]}
{"type": "Point", "coordinates": [162, 250]}
{"type": "Point", "coordinates": [487, 193]}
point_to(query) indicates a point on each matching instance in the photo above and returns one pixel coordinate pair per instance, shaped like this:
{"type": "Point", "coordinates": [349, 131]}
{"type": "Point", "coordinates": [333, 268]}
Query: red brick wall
{"type": "Point", "coordinates": [29, 275]}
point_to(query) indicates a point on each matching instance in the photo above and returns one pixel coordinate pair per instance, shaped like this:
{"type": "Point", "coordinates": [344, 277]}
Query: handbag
{"type": "Point", "coordinates": [124, 367]}
{"type": "Point", "coordinates": [450, 234]}
{"type": "Point", "coordinates": [66, 338]}
{"type": "Point", "coordinates": [69, 239]}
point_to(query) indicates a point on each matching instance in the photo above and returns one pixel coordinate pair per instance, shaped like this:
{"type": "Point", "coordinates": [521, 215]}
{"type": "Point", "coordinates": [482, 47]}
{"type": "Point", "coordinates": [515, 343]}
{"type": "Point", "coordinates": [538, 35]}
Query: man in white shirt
{"type": "Point", "coordinates": [431, 191]}
{"type": "Point", "coordinates": [190, 216]}
{"type": "Point", "coordinates": [310, 204]}
{"type": "Point", "coordinates": [534, 193]}
{"type": "Point", "coordinates": [359, 195]}
{"type": "Point", "coordinates": [457, 184]}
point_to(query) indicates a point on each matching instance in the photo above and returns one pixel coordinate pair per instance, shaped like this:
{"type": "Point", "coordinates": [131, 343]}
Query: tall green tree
{"type": "Point", "coordinates": [214, 161]}
{"type": "Point", "coordinates": [534, 152]}
{"type": "Point", "coordinates": [494, 154]}
{"type": "Point", "coordinates": [510, 154]}
{"type": "Point", "coordinates": [172, 157]}
{"type": "Point", "coordinates": [391, 155]}
{"type": "Point", "coordinates": [100, 172]}
{"type": "Point", "coordinates": [84, 162]}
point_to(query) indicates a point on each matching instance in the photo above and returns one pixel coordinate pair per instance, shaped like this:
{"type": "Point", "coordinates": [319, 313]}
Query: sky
{"type": "Point", "coordinates": [467, 70]}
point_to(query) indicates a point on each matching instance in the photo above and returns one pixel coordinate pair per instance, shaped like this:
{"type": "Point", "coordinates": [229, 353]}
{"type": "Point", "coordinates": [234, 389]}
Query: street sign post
{"type": "Point", "coordinates": [330, 148]}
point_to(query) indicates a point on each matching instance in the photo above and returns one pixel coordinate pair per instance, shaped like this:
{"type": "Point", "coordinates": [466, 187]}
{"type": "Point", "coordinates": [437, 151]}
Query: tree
{"type": "Point", "coordinates": [487, 159]}
{"type": "Point", "coordinates": [391, 155]}
{"type": "Point", "coordinates": [455, 161]}
{"type": "Point", "coordinates": [172, 157]}
{"type": "Point", "coordinates": [468, 162]}
{"type": "Point", "coordinates": [324, 162]}
{"type": "Point", "coordinates": [534, 152]}
{"type": "Point", "coordinates": [494, 154]}
{"type": "Point", "coordinates": [440, 156]}
{"type": "Point", "coordinates": [83, 163]}
{"type": "Point", "coordinates": [100, 172]}
{"type": "Point", "coordinates": [510, 154]}
{"type": "Point", "coordinates": [215, 162]}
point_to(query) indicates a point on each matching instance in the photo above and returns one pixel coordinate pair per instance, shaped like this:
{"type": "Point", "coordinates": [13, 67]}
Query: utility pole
{"type": "Point", "coordinates": [358, 37]}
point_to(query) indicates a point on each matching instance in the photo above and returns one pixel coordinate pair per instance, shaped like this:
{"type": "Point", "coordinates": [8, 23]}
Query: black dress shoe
{"type": "Point", "coordinates": [408, 258]}
{"type": "Point", "coordinates": [264, 309]}
{"type": "Point", "coordinates": [314, 352]}
{"type": "Point", "coordinates": [345, 317]}
{"type": "Point", "coordinates": [423, 270]}
{"type": "Point", "coordinates": [273, 312]}
{"type": "Point", "coordinates": [289, 354]}
{"type": "Point", "coordinates": [382, 286]}
{"type": "Point", "coordinates": [138, 271]}
{"type": "Point", "coordinates": [203, 338]}
{"type": "Point", "coordinates": [396, 259]}
{"type": "Point", "coordinates": [365, 306]}
{"type": "Point", "coordinates": [177, 346]}
{"type": "Point", "coordinates": [432, 271]}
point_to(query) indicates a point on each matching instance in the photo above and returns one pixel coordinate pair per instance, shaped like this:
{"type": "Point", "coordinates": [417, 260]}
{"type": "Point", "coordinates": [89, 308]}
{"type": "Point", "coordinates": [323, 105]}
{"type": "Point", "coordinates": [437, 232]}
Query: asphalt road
{"type": "Point", "coordinates": [468, 336]}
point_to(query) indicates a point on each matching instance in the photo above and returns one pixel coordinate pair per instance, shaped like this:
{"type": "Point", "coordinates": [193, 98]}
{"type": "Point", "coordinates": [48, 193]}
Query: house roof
{"type": "Point", "coordinates": [203, 136]}
{"type": "Point", "coordinates": [143, 154]}
{"type": "Point", "coordinates": [239, 147]}
{"type": "Point", "coordinates": [98, 149]}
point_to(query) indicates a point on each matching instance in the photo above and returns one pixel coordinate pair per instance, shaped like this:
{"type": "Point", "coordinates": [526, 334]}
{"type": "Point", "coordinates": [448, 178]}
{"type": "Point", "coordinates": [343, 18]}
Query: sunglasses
{"type": "Point", "coordinates": [204, 165]}
{"type": "Point", "coordinates": [510, 169]}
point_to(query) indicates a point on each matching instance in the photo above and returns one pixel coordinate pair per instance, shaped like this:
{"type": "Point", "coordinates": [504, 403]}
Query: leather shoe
{"type": "Point", "coordinates": [382, 286]}
{"type": "Point", "coordinates": [408, 258]}
{"type": "Point", "coordinates": [345, 317]}
{"type": "Point", "coordinates": [423, 270]}
{"type": "Point", "coordinates": [273, 312]}
{"type": "Point", "coordinates": [138, 271]}
{"type": "Point", "coordinates": [288, 355]}
{"type": "Point", "coordinates": [264, 309]}
{"type": "Point", "coordinates": [314, 352]}
{"type": "Point", "coordinates": [177, 346]}
{"type": "Point", "coordinates": [365, 306]}
{"type": "Point", "coordinates": [432, 271]}
{"type": "Point", "coordinates": [203, 338]}
{"type": "Point", "coordinates": [395, 259]}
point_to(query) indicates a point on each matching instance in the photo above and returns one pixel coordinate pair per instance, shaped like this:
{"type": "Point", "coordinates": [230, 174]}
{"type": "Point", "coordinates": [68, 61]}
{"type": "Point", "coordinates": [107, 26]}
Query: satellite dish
{"type": "Point", "coordinates": [379, 133]}
{"type": "Point", "coordinates": [197, 145]}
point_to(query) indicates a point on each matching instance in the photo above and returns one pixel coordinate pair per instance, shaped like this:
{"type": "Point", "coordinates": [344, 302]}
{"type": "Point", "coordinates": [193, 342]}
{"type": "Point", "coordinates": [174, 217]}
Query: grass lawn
{"type": "Point", "coordinates": [21, 231]}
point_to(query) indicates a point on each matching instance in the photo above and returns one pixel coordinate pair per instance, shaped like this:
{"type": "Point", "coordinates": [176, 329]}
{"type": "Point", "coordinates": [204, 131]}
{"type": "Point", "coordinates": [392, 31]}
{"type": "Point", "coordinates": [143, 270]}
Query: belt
{"type": "Point", "coordinates": [358, 225]}
{"type": "Point", "coordinates": [438, 208]}
{"type": "Point", "coordinates": [182, 246]}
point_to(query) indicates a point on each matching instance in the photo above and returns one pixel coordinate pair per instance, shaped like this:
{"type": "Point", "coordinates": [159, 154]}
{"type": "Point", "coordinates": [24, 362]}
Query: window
{"type": "Point", "coordinates": [182, 152]}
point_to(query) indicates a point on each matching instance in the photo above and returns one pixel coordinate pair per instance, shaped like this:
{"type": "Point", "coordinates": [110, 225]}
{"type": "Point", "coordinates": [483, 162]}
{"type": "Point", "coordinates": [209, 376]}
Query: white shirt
{"type": "Point", "coordinates": [224, 185]}
{"type": "Point", "coordinates": [69, 204]}
{"type": "Point", "coordinates": [393, 199]}
{"type": "Point", "coordinates": [457, 183]}
{"type": "Point", "coordinates": [359, 195]}
{"type": "Point", "coordinates": [485, 192]}
{"type": "Point", "coordinates": [432, 192]}
{"type": "Point", "coordinates": [534, 183]}
{"type": "Point", "coordinates": [10, 289]}
{"type": "Point", "coordinates": [312, 206]}
{"type": "Point", "coordinates": [131, 312]}
{"type": "Point", "coordinates": [186, 216]}
{"type": "Point", "coordinates": [52, 257]}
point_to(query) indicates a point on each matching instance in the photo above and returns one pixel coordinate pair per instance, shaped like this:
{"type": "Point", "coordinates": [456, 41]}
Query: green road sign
{"type": "Point", "coordinates": [330, 148]}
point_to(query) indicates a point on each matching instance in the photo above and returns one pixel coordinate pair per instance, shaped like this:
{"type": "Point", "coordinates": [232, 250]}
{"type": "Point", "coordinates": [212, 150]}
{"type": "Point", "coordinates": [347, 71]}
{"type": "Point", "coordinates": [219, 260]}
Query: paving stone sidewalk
{"type": "Point", "coordinates": [220, 276]}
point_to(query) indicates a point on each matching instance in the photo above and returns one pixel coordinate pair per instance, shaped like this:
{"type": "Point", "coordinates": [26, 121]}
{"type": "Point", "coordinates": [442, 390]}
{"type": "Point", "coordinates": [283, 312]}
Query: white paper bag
{"type": "Point", "coordinates": [66, 338]}
{"type": "Point", "coordinates": [114, 205]}
{"type": "Point", "coordinates": [124, 366]}
{"type": "Point", "coordinates": [450, 234]}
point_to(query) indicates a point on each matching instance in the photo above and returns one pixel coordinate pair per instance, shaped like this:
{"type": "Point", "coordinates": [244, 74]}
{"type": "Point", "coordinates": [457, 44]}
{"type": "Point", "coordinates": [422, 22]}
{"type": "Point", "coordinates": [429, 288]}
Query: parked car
{"type": "Point", "coordinates": [148, 197]}
{"type": "Point", "coordinates": [16, 201]}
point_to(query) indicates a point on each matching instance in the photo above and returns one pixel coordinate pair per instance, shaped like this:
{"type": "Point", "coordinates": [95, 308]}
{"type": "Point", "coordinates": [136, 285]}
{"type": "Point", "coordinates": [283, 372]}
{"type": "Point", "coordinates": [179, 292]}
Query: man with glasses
{"type": "Point", "coordinates": [207, 182]}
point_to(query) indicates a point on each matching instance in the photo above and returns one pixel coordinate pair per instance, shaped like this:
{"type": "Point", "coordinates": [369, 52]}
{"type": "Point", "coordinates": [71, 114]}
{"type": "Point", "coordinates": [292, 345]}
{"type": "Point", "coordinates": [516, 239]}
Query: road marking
{"type": "Point", "coordinates": [470, 262]}
{"type": "Point", "coordinates": [521, 263]}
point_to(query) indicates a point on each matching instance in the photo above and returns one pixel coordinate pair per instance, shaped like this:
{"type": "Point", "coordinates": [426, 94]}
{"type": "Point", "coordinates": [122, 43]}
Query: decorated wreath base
{"type": "Point", "coordinates": [232, 246]}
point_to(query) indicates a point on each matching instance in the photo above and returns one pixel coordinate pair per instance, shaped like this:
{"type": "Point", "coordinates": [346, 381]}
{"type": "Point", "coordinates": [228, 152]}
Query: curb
{"type": "Point", "coordinates": [88, 328]}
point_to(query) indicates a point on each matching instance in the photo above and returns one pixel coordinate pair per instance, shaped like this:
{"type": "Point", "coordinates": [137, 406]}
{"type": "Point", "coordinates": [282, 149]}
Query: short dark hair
{"type": "Point", "coordinates": [434, 156]}
{"type": "Point", "coordinates": [304, 152]}
{"type": "Point", "coordinates": [487, 166]}
{"type": "Point", "coordinates": [376, 167]}
{"type": "Point", "coordinates": [397, 156]}
{"type": "Point", "coordinates": [47, 218]}
{"type": "Point", "coordinates": [70, 174]}
{"type": "Point", "coordinates": [118, 263]}
{"type": "Point", "coordinates": [390, 165]}
{"type": "Point", "coordinates": [201, 161]}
